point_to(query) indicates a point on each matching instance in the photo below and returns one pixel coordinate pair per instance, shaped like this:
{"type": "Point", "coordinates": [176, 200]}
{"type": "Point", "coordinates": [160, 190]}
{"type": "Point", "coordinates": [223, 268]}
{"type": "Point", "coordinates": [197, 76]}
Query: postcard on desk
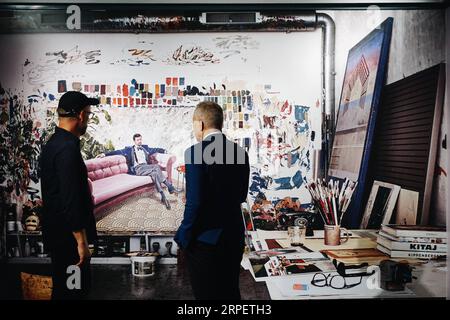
{"type": "Point", "coordinates": [289, 264]}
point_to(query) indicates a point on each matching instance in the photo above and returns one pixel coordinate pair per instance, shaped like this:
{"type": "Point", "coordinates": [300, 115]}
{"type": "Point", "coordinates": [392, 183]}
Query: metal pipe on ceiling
{"type": "Point", "coordinates": [329, 73]}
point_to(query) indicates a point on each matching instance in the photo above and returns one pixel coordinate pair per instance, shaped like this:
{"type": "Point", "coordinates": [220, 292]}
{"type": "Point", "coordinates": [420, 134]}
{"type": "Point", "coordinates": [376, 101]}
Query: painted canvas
{"type": "Point", "coordinates": [363, 80]}
{"type": "Point", "coordinates": [150, 84]}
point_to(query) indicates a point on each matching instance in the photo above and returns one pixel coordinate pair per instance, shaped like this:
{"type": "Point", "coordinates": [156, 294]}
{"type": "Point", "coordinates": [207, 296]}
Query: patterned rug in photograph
{"type": "Point", "coordinates": [143, 212]}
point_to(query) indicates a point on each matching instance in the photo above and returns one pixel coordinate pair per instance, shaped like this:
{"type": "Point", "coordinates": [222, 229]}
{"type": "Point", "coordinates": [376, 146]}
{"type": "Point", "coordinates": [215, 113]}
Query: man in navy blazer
{"type": "Point", "coordinates": [138, 159]}
{"type": "Point", "coordinates": [211, 234]}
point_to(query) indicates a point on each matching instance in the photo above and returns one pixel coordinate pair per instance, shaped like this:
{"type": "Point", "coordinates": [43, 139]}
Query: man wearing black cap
{"type": "Point", "coordinates": [68, 224]}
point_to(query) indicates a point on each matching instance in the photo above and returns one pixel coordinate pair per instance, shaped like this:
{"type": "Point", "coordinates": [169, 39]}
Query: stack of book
{"type": "Point", "coordinates": [420, 242]}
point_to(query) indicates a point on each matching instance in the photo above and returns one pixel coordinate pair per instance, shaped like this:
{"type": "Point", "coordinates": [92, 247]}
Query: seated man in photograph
{"type": "Point", "coordinates": [140, 164]}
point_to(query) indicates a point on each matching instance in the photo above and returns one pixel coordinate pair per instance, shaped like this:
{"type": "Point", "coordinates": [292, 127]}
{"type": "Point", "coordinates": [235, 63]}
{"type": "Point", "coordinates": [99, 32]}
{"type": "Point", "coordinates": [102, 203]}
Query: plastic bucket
{"type": "Point", "coordinates": [143, 266]}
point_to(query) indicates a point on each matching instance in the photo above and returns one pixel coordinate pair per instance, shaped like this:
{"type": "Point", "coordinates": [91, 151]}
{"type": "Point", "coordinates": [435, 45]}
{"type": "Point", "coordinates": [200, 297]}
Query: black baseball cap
{"type": "Point", "coordinates": [72, 102]}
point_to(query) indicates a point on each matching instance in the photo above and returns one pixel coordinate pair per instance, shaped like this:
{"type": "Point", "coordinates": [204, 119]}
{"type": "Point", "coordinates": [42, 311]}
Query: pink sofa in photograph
{"type": "Point", "coordinates": [110, 182]}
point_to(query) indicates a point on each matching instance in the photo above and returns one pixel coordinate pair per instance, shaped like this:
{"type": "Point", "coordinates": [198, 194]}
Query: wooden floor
{"type": "Point", "coordinates": [115, 282]}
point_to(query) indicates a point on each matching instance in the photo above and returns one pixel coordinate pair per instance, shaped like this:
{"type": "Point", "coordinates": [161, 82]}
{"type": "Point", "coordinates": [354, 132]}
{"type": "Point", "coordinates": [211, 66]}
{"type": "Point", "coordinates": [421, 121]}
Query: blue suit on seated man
{"type": "Point", "coordinates": [139, 163]}
{"type": "Point", "coordinates": [211, 234]}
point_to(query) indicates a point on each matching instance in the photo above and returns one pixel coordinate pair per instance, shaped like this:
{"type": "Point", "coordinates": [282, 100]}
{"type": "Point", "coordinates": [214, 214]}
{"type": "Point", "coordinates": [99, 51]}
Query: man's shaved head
{"type": "Point", "coordinates": [210, 113]}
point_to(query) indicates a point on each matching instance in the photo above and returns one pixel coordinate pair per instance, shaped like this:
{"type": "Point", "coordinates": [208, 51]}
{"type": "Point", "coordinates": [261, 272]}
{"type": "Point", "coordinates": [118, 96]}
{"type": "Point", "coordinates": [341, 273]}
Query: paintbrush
{"type": "Point", "coordinates": [331, 200]}
{"type": "Point", "coordinates": [347, 203]}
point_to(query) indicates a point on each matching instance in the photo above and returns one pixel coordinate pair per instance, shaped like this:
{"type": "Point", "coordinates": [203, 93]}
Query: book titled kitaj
{"type": "Point", "coordinates": [423, 242]}
{"type": "Point", "coordinates": [411, 246]}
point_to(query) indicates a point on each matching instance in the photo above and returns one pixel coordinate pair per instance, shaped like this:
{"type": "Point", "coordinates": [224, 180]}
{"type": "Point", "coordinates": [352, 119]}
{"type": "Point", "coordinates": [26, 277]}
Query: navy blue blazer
{"type": "Point", "coordinates": [128, 153]}
{"type": "Point", "coordinates": [215, 188]}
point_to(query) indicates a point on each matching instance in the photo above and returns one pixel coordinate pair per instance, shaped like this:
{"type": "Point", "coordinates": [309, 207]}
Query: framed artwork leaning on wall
{"type": "Point", "coordinates": [361, 91]}
{"type": "Point", "coordinates": [380, 205]}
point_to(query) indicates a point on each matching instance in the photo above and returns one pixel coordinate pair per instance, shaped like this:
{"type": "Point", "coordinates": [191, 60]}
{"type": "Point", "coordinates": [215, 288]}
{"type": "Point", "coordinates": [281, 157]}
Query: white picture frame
{"type": "Point", "coordinates": [381, 204]}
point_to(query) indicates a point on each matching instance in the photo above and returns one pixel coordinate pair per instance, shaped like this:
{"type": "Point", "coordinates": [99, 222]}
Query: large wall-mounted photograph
{"type": "Point", "coordinates": [150, 84]}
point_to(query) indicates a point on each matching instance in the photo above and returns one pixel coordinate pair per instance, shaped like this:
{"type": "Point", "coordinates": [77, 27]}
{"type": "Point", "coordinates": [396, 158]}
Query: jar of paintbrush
{"type": "Point", "coordinates": [332, 200]}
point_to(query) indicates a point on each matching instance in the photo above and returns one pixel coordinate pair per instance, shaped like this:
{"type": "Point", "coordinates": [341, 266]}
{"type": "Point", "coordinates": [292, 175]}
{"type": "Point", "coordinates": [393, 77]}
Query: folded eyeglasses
{"type": "Point", "coordinates": [342, 280]}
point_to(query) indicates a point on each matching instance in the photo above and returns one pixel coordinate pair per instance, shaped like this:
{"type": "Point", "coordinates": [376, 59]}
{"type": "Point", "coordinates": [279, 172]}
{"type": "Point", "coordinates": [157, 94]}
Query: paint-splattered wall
{"type": "Point", "coordinates": [267, 83]}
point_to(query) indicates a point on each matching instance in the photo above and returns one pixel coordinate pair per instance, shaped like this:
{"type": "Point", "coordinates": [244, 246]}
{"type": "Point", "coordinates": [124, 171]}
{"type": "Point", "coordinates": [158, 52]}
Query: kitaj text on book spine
{"type": "Point", "coordinates": [411, 246]}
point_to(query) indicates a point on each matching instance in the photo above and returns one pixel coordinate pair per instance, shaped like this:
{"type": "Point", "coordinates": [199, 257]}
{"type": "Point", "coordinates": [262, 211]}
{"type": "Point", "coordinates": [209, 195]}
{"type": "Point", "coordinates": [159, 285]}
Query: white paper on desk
{"type": "Point", "coordinates": [265, 234]}
{"type": "Point", "coordinates": [357, 243]}
{"type": "Point", "coordinates": [301, 286]}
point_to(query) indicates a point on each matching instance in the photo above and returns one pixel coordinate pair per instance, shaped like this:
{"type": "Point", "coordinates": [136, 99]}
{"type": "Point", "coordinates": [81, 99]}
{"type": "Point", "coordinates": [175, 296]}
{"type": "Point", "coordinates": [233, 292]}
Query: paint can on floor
{"type": "Point", "coordinates": [143, 266]}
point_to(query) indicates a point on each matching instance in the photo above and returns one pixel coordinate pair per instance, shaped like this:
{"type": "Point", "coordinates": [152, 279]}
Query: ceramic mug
{"type": "Point", "coordinates": [332, 235]}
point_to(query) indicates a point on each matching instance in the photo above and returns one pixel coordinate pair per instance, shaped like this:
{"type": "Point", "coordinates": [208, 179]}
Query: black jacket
{"type": "Point", "coordinates": [66, 195]}
{"type": "Point", "coordinates": [128, 153]}
{"type": "Point", "coordinates": [217, 177]}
